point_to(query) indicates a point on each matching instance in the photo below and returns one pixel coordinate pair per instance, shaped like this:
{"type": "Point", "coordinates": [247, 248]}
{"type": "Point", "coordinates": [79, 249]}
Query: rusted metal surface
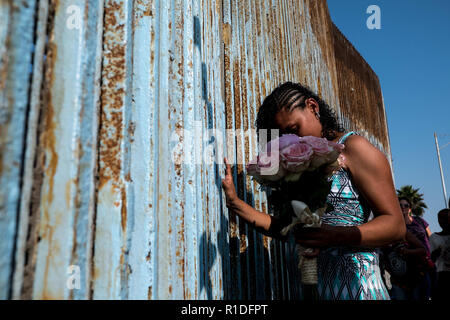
{"type": "Point", "coordinates": [360, 96]}
{"type": "Point", "coordinates": [119, 131]}
{"type": "Point", "coordinates": [16, 45]}
{"type": "Point", "coordinates": [110, 269]}
{"type": "Point", "coordinates": [67, 145]}
{"type": "Point", "coordinates": [57, 194]}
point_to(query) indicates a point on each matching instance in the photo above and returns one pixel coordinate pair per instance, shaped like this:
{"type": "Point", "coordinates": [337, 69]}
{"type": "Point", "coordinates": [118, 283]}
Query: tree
{"type": "Point", "coordinates": [416, 199]}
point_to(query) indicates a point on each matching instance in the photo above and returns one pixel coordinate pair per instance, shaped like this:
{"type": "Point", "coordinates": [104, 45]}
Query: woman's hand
{"type": "Point", "coordinates": [256, 218]}
{"type": "Point", "coordinates": [228, 185]}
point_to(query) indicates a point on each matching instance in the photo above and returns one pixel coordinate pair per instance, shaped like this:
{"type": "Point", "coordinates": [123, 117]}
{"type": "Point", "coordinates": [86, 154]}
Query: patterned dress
{"type": "Point", "coordinates": [347, 273]}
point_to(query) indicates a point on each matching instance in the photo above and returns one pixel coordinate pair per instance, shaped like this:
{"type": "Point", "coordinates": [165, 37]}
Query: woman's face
{"type": "Point", "coordinates": [302, 122]}
{"type": "Point", "coordinates": [406, 209]}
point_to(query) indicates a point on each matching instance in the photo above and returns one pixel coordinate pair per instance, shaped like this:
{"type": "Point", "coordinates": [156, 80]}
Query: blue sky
{"type": "Point", "coordinates": [411, 56]}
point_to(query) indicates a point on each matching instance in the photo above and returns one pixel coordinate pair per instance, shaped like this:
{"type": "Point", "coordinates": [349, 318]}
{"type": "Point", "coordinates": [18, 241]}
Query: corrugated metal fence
{"type": "Point", "coordinates": [115, 116]}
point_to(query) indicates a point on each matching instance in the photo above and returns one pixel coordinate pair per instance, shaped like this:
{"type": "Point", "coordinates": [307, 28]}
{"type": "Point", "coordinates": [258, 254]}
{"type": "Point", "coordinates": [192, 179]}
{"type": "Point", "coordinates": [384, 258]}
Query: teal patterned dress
{"type": "Point", "coordinates": [346, 273]}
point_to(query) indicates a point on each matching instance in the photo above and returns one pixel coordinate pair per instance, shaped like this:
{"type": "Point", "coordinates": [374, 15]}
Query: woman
{"type": "Point", "coordinates": [419, 228]}
{"type": "Point", "coordinates": [404, 260]}
{"type": "Point", "coordinates": [347, 262]}
{"type": "Point", "coordinates": [416, 225]}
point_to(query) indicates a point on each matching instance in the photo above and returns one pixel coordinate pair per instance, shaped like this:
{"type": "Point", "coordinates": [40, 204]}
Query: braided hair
{"type": "Point", "coordinates": [294, 95]}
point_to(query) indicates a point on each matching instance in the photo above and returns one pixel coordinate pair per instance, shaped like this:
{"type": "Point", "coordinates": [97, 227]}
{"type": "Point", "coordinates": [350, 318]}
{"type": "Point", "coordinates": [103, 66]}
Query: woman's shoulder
{"type": "Point", "coordinates": [421, 221]}
{"type": "Point", "coordinates": [355, 140]}
{"type": "Point", "coordinates": [360, 151]}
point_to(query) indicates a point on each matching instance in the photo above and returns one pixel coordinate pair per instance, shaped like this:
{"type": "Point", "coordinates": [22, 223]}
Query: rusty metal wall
{"type": "Point", "coordinates": [16, 45]}
{"type": "Point", "coordinates": [113, 130]}
{"type": "Point", "coordinates": [360, 96]}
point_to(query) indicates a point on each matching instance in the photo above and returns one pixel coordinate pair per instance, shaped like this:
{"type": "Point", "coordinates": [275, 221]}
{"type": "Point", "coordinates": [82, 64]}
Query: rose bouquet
{"type": "Point", "coordinates": [297, 170]}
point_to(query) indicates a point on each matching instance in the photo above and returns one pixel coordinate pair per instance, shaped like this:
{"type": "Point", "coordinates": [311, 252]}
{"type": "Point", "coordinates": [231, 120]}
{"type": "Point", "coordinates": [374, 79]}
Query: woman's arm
{"type": "Point", "coordinates": [263, 222]}
{"type": "Point", "coordinates": [371, 175]}
{"type": "Point", "coordinates": [416, 248]}
{"type": "Point", "coordinates": [428, 232]}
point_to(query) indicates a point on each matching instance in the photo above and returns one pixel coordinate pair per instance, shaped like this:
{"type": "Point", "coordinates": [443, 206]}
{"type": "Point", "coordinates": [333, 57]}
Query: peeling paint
{"type": "Point", "coordinates": [143, 86]}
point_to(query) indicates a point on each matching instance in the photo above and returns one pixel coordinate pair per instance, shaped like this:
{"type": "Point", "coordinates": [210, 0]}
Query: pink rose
{"type": "Point", "coordinates": [283, 141]}
{"type": "Point", "coordinates": [296, 157]}
{"type": "Point", "coordinates": [321, 150]}
{"type": "Point", "coordinates": [319, 145]}
{"type": "Point", "coordinates": [324, 151]}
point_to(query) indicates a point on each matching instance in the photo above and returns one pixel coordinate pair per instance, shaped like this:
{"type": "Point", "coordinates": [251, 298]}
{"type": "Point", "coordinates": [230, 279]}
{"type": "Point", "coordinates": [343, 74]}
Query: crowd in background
{"type": "Point", "coordinates": [419, 267]}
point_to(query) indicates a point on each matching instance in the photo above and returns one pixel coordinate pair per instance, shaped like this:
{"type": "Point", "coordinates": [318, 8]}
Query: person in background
{"type": "Point", "coordinates": [403, 262]}
{"type": "Point", "coordinates": [440, 253]}
{"type": "Point", "coordinates": [418, 227]}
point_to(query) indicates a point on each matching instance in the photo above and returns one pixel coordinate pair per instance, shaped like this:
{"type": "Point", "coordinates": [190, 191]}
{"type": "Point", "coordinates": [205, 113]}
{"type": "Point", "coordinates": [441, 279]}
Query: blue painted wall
{"type": "Point", "coordinates": [115, 117]}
